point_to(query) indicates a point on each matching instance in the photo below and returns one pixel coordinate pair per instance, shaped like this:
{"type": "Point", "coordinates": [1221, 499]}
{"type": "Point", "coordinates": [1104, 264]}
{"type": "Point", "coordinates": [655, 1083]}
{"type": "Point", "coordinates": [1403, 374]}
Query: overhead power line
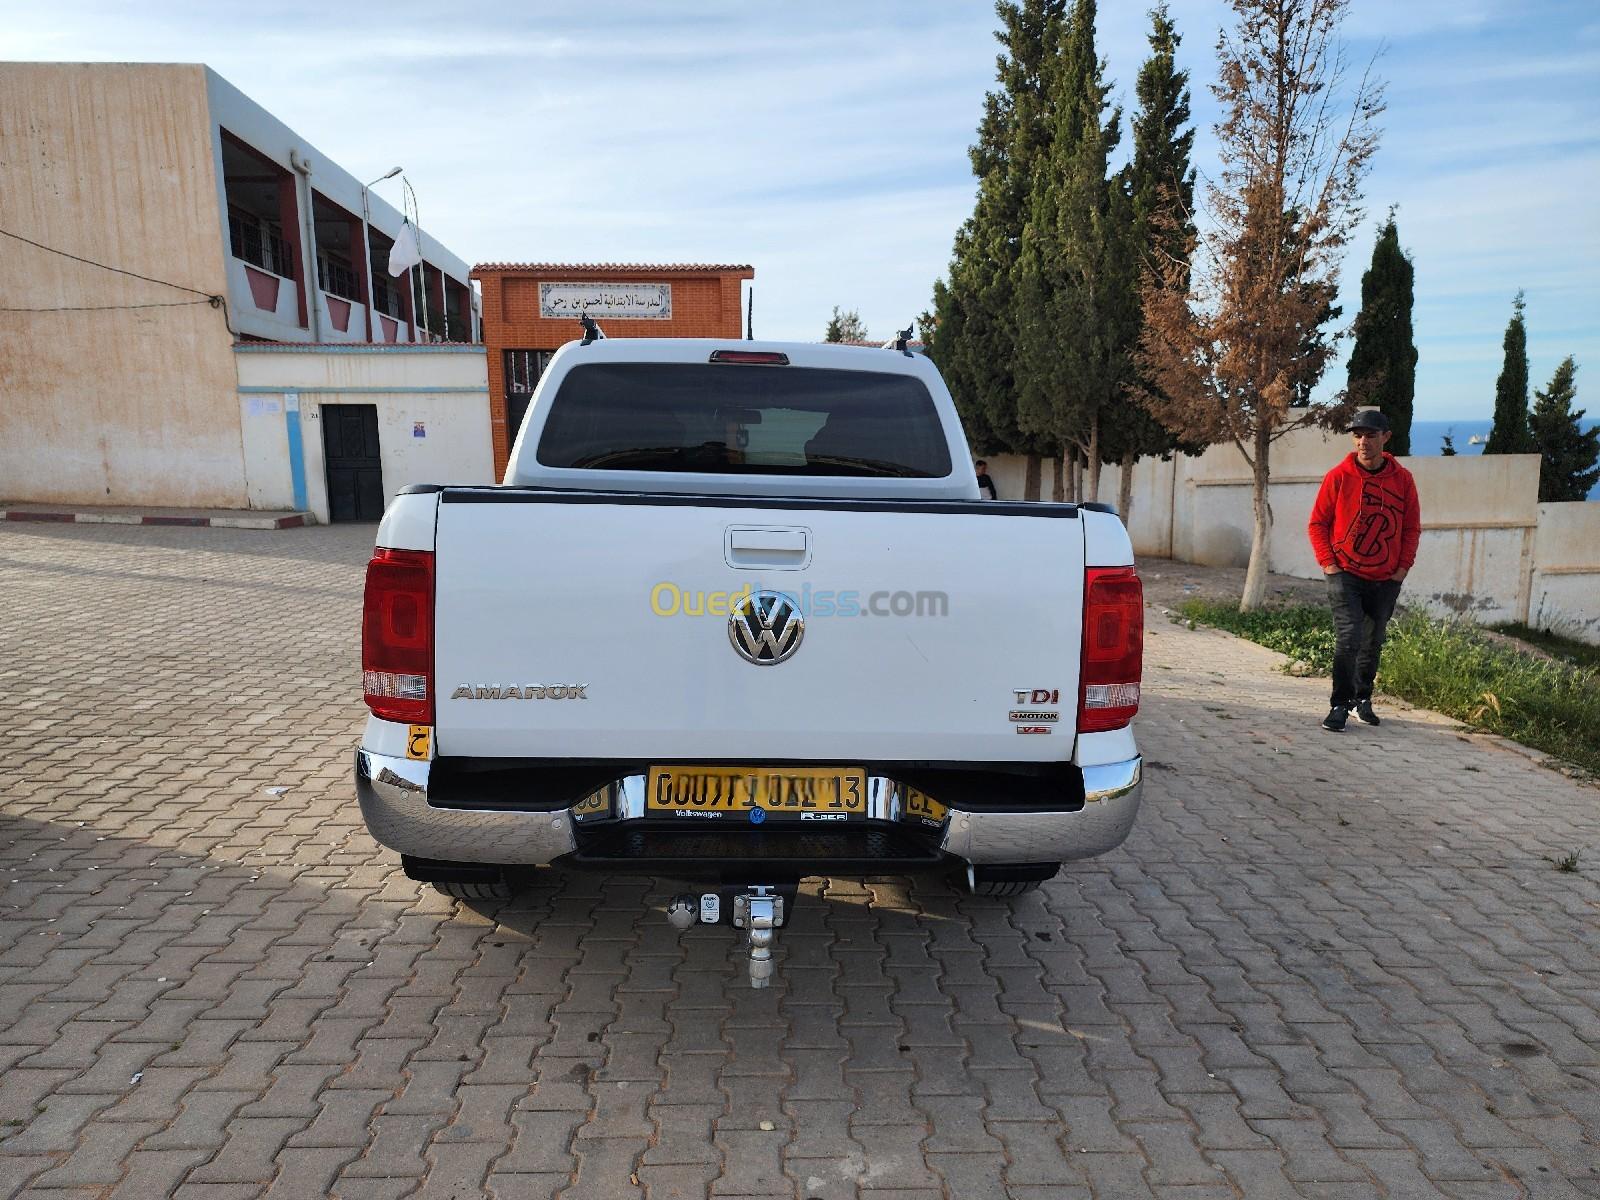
{"type": "Point", "coordinates": [215, 300]}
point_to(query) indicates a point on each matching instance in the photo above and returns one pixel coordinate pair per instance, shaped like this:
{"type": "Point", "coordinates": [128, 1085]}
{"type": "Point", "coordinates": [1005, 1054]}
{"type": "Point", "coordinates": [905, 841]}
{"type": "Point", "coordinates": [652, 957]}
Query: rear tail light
{"type": "Point", "coordinates": [1113, 648]}
{"type": "Point", "coordinates": [397, 636]}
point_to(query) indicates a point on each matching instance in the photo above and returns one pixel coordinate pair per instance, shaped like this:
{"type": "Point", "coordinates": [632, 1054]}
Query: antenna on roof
{"type": "Point", "coordinates": [750, 316]}
{"type": "Point", "coordinates": [901, 338]}
{"type": "Point", "coordinates": [591, 331]}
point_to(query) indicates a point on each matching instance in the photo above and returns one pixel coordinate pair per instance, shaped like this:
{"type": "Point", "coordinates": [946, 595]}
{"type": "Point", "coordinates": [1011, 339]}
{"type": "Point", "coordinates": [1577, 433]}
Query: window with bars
{"type": "Point", "coordinates": [385, 296]}
{"type": "Point", "coordinates": [258, 242]}
{"type": "Point", "coordinates": [337, 277]}
{"type": "Point", "coordinates": [523, 368]}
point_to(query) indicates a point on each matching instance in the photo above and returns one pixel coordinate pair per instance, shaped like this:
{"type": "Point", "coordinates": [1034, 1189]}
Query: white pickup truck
{"type": "Point", "coordinates": [737, 616]}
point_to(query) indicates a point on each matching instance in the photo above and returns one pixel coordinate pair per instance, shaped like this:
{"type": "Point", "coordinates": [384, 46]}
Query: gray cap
{"type": "Point", "coordinates": [1370, 418]}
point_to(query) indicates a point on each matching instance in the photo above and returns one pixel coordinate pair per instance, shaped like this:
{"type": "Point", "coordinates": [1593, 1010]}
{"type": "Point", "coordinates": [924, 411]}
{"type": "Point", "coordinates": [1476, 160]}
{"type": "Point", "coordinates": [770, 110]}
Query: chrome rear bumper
{"type": "Point", "coordinates": [394, 802]}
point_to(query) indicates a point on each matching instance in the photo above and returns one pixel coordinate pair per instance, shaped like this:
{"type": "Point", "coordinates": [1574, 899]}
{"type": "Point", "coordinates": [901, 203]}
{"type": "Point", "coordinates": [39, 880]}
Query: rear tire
{"type": "Point", "coordinates": [500, 889]}
{"type": "Point", "coordinates": [464, 880]}
{"type": "Point", "coordinates": [1016, 887]}
{"type": "Point", "coordinates": [1004, 880]}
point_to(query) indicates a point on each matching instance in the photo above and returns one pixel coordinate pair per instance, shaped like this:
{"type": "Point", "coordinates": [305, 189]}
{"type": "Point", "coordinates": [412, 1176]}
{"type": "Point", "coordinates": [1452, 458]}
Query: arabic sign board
{"type": "Point", "coordinates": [633, 301]}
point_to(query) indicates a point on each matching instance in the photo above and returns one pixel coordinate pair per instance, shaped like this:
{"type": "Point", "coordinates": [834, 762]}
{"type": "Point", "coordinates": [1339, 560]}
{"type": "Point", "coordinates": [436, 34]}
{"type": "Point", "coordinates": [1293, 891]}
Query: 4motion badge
{"type": "Point", "coordinates": [1041, 715]}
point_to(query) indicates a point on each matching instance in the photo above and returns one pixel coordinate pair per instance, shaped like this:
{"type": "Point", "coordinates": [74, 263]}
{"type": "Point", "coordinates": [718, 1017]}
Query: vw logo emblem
{"type": "Point", "coordinates": [766, 628]}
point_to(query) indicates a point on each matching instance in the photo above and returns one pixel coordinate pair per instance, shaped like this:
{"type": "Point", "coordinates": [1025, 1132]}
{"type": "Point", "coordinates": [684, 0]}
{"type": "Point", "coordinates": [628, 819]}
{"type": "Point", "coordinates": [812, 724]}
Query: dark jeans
{"type": "Point", "coordinates": [1361, 612]}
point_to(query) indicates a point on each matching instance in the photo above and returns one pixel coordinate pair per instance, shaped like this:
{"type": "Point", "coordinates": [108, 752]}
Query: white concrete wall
{"type": "Point", "coordinates": [1489, 549]}
{"type": "Point", "coordinates": [269, 484]}
{"type": "Point", "coordinates": [444, 387]}
{"type": "Point", "coordinates": [1565, 586]}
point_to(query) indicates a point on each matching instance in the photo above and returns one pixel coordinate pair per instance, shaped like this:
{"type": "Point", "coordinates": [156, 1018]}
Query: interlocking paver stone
{"type": "Point", "coordinates": [1307, 974]}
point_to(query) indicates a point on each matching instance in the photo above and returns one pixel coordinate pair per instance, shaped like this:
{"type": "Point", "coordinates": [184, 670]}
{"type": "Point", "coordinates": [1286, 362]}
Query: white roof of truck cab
{"type": "Point", "coordinates": [698, 350]}
{"type": "Point", "coordinates": [524, 470]}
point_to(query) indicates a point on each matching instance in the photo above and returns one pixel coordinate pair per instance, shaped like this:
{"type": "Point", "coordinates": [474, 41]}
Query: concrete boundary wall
{"type": "Point", "coordinates": [1490, 551]}
{"type": "Point", "coordinates": [1564, 587]}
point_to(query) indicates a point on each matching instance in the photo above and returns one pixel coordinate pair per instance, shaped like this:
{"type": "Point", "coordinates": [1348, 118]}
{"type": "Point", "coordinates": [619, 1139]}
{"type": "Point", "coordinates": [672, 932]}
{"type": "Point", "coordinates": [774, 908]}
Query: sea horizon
{"type": "Point", "coordinates": [1427, 439]}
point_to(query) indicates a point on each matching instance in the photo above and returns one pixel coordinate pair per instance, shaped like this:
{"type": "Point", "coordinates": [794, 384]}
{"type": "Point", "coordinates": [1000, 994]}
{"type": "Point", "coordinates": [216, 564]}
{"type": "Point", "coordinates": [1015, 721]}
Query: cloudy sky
{"type": "Point", "coordinates": [825, 143]}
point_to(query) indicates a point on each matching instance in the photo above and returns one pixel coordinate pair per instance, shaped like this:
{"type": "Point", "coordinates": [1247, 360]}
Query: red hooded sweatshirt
{"type": "Point", "coordinates": [1366, 522]}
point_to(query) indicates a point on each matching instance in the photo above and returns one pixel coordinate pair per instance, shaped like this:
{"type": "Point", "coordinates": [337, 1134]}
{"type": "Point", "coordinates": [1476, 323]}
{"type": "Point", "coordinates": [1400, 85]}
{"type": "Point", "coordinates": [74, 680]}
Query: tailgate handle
{"type": "Point", "coordinates": [765, 547]}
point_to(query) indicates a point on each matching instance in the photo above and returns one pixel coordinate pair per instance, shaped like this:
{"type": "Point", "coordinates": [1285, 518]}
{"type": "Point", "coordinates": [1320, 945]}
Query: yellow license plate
{"type": "Point", "coordinates": [802, 793]}
{"type": "Point", "coordinates": [919, 806]}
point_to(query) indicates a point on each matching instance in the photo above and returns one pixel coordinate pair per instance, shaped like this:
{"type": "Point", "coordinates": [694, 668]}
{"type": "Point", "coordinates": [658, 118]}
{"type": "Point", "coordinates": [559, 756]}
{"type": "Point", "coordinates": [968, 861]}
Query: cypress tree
{"type": "Point", "coordinates": [1161, 181]}
{"type": "Point", "coordinates": [1075, 293]}
{"type": "Point", "coordinates": [1383, 364]}
{"type": "Point", "coordinates": [971, 334]}
{"type": "Point", "coordinates": [1510, 435]}
{"type": "Point", "coordinates": [1567, 452]}
{"type": "Point", "coordinates": [1160, 186]}
{"type": "Point", "coordinates": [845, 327]}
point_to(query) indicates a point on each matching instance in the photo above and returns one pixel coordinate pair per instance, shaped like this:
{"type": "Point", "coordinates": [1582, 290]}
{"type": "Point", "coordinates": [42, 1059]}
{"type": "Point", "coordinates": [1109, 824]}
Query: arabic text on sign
{"type": "Point", "coordinates": [639, 301]}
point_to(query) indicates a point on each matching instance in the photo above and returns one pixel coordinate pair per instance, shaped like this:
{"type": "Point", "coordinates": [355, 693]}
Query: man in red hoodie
{"type": "Point", "coordinates": [1364, 530]}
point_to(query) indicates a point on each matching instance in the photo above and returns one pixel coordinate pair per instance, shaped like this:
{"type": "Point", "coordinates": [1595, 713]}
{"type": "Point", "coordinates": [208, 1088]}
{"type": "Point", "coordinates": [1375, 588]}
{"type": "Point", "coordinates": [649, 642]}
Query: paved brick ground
{"type": "Point", "coordinates": [1322, 967]}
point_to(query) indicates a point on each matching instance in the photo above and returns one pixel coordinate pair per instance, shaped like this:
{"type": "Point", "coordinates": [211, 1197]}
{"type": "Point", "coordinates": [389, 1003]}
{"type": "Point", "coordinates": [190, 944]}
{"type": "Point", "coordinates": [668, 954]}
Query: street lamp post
{"type": "Point", "coordinates": [366, 243]}
{"type": "Point", "coordinates": [419, 296]}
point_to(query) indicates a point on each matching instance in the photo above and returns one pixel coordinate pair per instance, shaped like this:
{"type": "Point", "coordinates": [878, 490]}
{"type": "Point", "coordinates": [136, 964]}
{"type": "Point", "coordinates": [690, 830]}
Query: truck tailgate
{"type": "Point", "coordinates": [588, 626]}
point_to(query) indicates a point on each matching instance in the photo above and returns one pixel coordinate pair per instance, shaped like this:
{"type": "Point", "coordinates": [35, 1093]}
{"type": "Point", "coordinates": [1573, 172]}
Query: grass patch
{"type": "Point", "coordinates": [1447, 666]}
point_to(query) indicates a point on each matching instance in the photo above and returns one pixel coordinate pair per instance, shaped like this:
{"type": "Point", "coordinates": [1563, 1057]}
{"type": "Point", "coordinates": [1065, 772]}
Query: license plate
{"type": "Point", "coordinates": [799, 793]}
{"type": "Point", "coordinates": [919, 806]}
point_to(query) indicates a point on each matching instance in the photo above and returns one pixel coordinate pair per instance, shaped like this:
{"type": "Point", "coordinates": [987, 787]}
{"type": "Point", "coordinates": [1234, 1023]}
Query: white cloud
{"type": "Point", "coordinates": [826, 143]}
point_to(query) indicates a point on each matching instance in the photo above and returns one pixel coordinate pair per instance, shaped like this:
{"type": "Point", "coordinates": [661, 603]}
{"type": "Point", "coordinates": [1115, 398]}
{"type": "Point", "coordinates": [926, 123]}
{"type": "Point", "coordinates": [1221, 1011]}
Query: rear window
{"type": "Point", "coordinates": [743, 420]}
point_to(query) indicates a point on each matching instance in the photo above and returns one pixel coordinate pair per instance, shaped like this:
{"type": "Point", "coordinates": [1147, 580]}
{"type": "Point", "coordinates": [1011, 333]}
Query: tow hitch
{"type": "Point", "coordinates": [759, 909]}
{"type": "Point", "coordinates": [760, 913]}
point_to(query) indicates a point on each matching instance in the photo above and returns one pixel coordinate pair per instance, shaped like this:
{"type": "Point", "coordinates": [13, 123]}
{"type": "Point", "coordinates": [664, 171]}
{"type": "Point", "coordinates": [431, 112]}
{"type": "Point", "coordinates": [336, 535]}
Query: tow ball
{"type": "Point", "coordinates": [758, 909]}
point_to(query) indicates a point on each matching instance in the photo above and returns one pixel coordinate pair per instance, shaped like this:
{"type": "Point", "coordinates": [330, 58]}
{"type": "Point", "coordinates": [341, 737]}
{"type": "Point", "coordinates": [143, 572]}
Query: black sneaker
{"type": "Point", "coordinates": [1335, 719]}
{"type": "Point", "coordinates": [1364, 711]}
